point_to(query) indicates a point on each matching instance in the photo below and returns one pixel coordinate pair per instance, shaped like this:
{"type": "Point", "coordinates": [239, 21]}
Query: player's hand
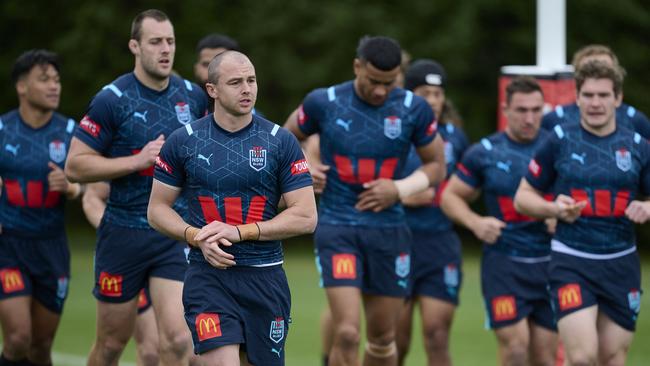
{"type": "Point", "coordinates": [551, 225]}
{"type": "Point", "coordinates": [218, 232]}
{"type": "Point", "coordinates": [147, 156]}
{"type": "Point", "coordinates": [488, 229]}
{"type": "Point", "coordinates": [56, 179]}
{"type": "Point", "coordinates": [568, 209]}
{"type": "Point", "coordinates": [638, 211]}
{"type": "Point", "coordinates": [210, 238]}
{"type": "Point", "coordinates": [318, 173]}
{"type": "Point", "coordinates": [378, 195]}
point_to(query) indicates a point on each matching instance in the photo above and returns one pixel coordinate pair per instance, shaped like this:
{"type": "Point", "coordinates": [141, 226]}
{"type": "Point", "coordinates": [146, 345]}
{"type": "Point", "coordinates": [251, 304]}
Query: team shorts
{"type": "Point", "coordinates": [437, 265]}
{"type": "Point", "coordinates": [125, 258]}
{"type": "Point", "coordinates": [249, 306]}
{"type": "Point", "coordinates": [515, 289]}
{"type": "Point", "coordinates": [612, 284]}
{"type": "Point", "coordinates": [39, 268]}
{"type": "Point", "coordinates": [376, 260]}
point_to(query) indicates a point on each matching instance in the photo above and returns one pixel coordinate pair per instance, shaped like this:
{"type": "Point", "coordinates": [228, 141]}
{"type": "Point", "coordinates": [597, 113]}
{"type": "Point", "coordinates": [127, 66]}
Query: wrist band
{"type": "Point", "coordinates": [259, 231]}
{"type": "Point", "coordinates": [191, 241]}
{"type": "Point", "coordinates": [249, 232]}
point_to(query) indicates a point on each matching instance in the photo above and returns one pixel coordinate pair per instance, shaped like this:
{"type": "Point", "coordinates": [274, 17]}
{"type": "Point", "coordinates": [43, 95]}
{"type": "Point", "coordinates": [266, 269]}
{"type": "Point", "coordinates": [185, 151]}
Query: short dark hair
{"type": "Point", "coordinates": [382, 52]}
{"type": "Point", "coordinates": [216, 40]}
{"type": "Point", "coordinates": [136, 25]}
{"type": "Point", "coordinates": [25, 62]}
{"type": "Point", "coordinates": [522, 84]}
{"type": "Point", "coordinates": [596, 69]}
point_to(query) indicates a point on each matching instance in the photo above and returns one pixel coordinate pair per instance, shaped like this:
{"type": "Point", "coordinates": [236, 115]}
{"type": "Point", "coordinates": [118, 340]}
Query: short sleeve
{"type": "Point", "coordinates": [98, 124]}
{"type": "Point", "coordinates": [293, 169]}
{"type": "Point", "coordinates": [426, 125]}
{"type": "Point", "coordinates": [541, 168]}
{"type": "Point", "coordinates": [170, 165]}
{"type": "Point", "coordinates": [310, 112]}
{"type": "Point", "coordinates": [470, 169]}
{"type": "Point", "coordinates": [640, 122]}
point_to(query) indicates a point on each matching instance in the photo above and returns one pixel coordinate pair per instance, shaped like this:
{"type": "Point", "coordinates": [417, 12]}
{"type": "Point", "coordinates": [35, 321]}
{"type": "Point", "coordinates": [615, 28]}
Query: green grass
{"type": "Point", "coordinates": [471, 344]}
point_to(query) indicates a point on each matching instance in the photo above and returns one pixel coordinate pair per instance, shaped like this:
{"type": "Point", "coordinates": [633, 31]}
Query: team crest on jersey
{"type": "Point", "coordinates": [57, 151]}
{"type": "Point", "coordinates": [403, 265]}
{"type": "Point", "coordinates": [623, 159]}
{"type": "Point", "coordinates": [392, 127]}
{"type": "Point", "coordinates": [62, 287]}
{"type": "Point", "coordinates": [451, 275]}
{"type": "Point", "coordinates": [257, 158]}
{"type": "Point", "coordinates": [634, 300]}
{"type": "Point", "coordinates": [183, 112]}
{"type": "Point", "coordinates": [276, 333]}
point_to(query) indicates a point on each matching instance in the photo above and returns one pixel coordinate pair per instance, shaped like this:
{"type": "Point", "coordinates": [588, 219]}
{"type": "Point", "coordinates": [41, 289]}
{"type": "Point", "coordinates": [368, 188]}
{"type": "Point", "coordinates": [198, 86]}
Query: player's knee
{"type": "Point", "coordinates": [515, 353]}
{"type": "Point", "coordinates": [16, 344]}
{"type": "Point", "coordinates": [40, 351]}
{"type": "Point", "coordinates": [347, 337]}
{"type": "Point", "coordinates": [111, 348]}
{"type": "Point", "coordinates": [581, 357]}
{"type": "Point", "coordinates": [378, 350]}
{"type": "Point", "coordinates": [436, 337]}
{"type": "Point", "coordinates": [148, 357]}
{"type": "Point", "coordinates": [178, 344]}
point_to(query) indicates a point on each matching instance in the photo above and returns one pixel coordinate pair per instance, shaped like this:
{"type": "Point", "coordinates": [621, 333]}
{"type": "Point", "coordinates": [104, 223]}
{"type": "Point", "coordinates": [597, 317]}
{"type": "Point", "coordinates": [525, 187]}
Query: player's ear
{"type": "Point", "coordinates": [21, 86]}
{"type": "Point", "coordinates": [134, 46]}
{"type": "Point", "coordinates": [357, 65]}
{"type": "Point", "coordinates": [212, 90]}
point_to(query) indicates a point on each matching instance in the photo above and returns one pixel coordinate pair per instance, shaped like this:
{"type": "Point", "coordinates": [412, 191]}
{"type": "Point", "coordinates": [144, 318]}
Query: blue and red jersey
{"type": "Point", "coordinates": [431, 218]}
{"type": "Point", "coordinates": [496, 166]}
{"type": "Point", "coordinates": [27, 206]}
{"type": "Point", "coordinates": [122, 118]}
{"type": "Point", "coordinates": [626, 116]}
{"type": "Point", "coordinates": [608, 172]}
{"type": "Point", "coordinates": [361, 143]}
{"type": "Point", "coordinates": [234, 177]}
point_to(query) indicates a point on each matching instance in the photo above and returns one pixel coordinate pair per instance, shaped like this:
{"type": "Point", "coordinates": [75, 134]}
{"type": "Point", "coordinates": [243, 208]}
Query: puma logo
{"type": "Point", "coordinates": [142, 116]}
{"type": "Point", "coordinates": [344, 124]}
{"type": "Point", "coordinates": [276, 351]}
{"type": "Point", "coordinates": [207, 160]}
{"type": "Point", "coordinates": [12, 149]}
{"type": "Point", "coordinates": [580, 158]}
{"type": "Point", "coordinates": [402, 283]}
{"type": "Point", "coordinates": [504, 166]}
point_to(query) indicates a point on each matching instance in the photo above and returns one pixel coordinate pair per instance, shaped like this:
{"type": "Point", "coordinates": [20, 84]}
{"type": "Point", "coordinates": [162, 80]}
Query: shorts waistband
{"type": "Point", "coordinates": [558, 246]}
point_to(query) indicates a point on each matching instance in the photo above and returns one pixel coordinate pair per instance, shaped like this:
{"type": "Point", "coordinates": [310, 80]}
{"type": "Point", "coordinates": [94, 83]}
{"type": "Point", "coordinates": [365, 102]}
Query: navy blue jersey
{"type": "Point", "coordinates": [431, 218]}
{"type": "Point", "coordinates": [234, 177]}
{"type": "Point", "coordinates": [122, 118]}
{"type": "Point", "coordinates": [608, 172]}
{"type": "Point", "coordinates": [496, 165]}
{"type": "Point", "coordinates": [626, 116]}
{"type": "Point", "coordinates": [27, 206]}
{"type": "Point", "coordinates": [361, 143]}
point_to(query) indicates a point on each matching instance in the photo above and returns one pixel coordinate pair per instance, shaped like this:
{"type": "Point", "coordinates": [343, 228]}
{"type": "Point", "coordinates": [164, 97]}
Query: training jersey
{"type": "Point", "coordinates": [27, 206]}
{"type": "Point", "coordinates": [234, 177]}
{"type": "Point", "coordinates": [431, 218]}
{"type": "Point", "coordinates": [121, 119]}
{"type": "Point", "coordinates": [626, 116]}
{"type": "Point", "coordinates": [361, 143]}
{"type": "Point", "coordinates": [496, 165]}
{"type": "Point", "coordinates": [608, 172]}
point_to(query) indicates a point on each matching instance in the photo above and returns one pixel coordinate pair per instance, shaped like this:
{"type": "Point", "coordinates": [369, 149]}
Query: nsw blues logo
{"type": "Point", "coordinates": [276, 333]}
{"type": "Point", "coordinates": [257, 158]}
{"type": "Point", "coordinates": [634, 300]}
{"type": "Point", "coordinates": [392, 127]}
{"type": "Point", "coordinates": [57, 151]}
{"type": "Point", "coordinates": [183, 112]}
{"type": "Point", "coordinates": [623, 159]}
{"type": "Point", "coordinates": [403, 265]}
{"type": "Point", "coordinates": [451, 275]}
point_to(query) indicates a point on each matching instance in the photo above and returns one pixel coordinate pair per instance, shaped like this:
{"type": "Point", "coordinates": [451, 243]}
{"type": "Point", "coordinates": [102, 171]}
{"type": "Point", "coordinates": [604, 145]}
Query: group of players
{"type": "Point", "coordinates": [393, 170]}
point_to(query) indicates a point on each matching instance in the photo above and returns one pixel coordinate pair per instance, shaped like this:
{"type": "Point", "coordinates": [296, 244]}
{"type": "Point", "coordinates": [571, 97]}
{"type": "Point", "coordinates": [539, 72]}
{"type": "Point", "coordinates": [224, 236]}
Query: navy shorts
{"type": "Point", "coordinates": [437, 265]}
{"type": "Point", "coordinates": [612, 284]}
{"type": "Point", "coordinates": [514, 289]}
{"type": "Point", "coordinates": [249, 306]}
{"type": "Point", "coordinates": [35, 267]}
{"type": "Point", "coordinates": [125, 258]}
{"type": "Point", "coordinates": [376, 260]}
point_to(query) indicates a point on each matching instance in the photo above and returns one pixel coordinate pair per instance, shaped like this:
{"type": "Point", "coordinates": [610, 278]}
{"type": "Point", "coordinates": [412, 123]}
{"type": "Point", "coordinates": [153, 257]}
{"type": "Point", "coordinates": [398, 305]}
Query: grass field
{"type": "Point", "coordinates": [470, 343]}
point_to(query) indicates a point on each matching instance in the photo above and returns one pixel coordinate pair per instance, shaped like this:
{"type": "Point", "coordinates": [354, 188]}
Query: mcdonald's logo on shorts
{"type": "Point", "coordinates": [504, 308]}
{"type": "Point", "coordinates": [569, 296]}
{"type": "Point", "coordinates": [344, 266]}
{"type": "Point", "coordinates": [207, 326]}
{"type": "Point", "coordinates": [110, 285]}
{"type": "Point", "coordinates": [12, 280]}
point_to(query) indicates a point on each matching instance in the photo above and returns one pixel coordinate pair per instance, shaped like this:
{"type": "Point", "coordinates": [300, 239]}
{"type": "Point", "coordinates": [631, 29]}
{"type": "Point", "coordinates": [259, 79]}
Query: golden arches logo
{"type": "Point", "coordinates": [344, 266]}
{"type": "Point", "coordinates": [12, 280]}
{"type": "Point", "coordinates": [110, 285]}
{"type": "Point", "coordinates": [569, 296]}
{"type": "Point", "coordinates": [504, 308]}
{"type": "Point", "coordinates": [207, 326]}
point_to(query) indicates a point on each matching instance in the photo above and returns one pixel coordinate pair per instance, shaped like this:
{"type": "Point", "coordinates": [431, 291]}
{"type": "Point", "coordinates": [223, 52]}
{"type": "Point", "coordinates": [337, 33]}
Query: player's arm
{"type": "Point", "coordinates": [455, 202]}
{"type": "Point", "coordinates": [433, 160]}
{"type": "Point", "coordinates": [161, 214]}
{"type": "Point", "coordinates": [424, 198]}
{"type": "Point", "coordinates": [530, 201]}
{"type": "Point", "coordinates": [94, 200]}
{"type": "Point", "coordinates": [85, 164]}
{"type": "Point", "coordinates": [292, 125]}
{"type": "Point", "coordinates": [318, 171]}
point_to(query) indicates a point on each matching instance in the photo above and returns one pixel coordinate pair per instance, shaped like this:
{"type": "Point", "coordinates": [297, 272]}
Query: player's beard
{"type": "Point", "coordinates": [150, 66]}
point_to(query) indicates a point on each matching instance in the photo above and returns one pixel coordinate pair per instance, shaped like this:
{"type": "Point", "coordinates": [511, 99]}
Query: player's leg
{"type": "Point", "coordinates": [223, 356]}
{"type": "Point", "coordinates": [513, 343]}
{"type": "Point", "coordinates": [174, 336]}
{"type": "Point", "coordinates": [382, 313]}
{"type": "Point", "coordinates": [115, 322]}
{"type": "Point", "coordinates": [579, 334]}
{"type": "Point", "coordinates": [543, 345]}
{"type": "Point", "coordinates": [145, 336]}
{"type": "Point", "coordinates": [613, 341]}
{"type": "Point", "coordinates": [437, 316]}
{"type": "Point", "coordinates": [44, 325]}
{"type": "Point", "coordinates": [404, 330]}
{"type": "Point", "coordinates": [326, 333]}
{"type": "Point", "coordinates": [15, 318]}
{"type": "Point", "coordinates": [345, 305]}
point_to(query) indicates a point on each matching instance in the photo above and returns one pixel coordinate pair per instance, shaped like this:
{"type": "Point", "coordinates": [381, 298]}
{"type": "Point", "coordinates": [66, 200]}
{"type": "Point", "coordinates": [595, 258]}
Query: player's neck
{"type": "Point", "coordinates": [229, 122]}
{"type": "Point", "coordinates": [600, 131]}
{"type": "Point", "coordinates": [34, 117]}
{"type": "Point", "coordinates": [148, 81]}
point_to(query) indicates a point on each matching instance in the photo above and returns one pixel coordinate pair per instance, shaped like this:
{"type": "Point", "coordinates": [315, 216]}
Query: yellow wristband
{"type": "Point", "coordinates": [249, 231]}
{"type": "Point", "coordinates": [189, 234]}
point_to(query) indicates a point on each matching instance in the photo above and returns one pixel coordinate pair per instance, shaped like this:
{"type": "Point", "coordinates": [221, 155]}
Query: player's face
{"type": "Point", "coordinates": [201, 66]}
{"type": "Point", "coordinates": [373, 85]}
{"type": "Point", "coordinates": [40, 88]}
{"type": "Point", "coordinates": [434, 95]}
{"type": "Point", "coordinates": [524, 114]}
{"type": "Point", "coordinates": [236, 89]}
{"type": "Point", "coordinates": [598, 103]}
{"type": "Point", "coordinates": [156, 48]}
